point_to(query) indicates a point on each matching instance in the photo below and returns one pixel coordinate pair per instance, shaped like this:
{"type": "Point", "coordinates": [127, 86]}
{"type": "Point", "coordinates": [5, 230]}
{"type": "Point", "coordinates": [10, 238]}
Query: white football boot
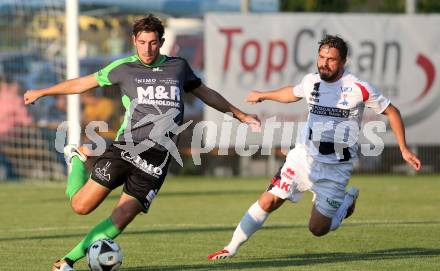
{"type": "Point", "coordinates": [71, 151]}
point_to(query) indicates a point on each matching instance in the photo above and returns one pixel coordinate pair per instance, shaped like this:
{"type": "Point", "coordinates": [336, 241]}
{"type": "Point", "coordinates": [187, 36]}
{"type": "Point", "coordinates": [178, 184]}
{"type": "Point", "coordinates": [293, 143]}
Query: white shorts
{"type": "Point", "coordinates": [301, 172]}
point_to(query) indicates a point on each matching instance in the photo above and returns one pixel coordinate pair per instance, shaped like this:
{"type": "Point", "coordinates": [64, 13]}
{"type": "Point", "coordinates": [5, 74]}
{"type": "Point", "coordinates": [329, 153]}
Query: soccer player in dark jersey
{"type": "Point", "coordinates": [152, 86]}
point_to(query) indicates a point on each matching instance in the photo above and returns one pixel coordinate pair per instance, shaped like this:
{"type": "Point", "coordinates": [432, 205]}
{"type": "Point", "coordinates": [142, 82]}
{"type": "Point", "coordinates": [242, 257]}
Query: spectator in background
{"type": "Point", "coordinates": [12, 110]}
{"type": "Point", "coordinates": [57, 113]}
{"type": "Point", "coordinates": [98, 109]}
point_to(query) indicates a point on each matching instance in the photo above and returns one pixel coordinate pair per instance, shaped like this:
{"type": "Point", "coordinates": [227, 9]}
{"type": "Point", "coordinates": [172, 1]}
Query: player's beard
{"type": "Point", "coordinates": [327, 75]}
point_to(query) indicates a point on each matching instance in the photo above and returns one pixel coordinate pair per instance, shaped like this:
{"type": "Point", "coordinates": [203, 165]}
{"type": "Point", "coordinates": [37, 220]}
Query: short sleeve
{"type": "Point", "coordinates": [298, 90]}
{"type": "Point", "coordinates": [373, 98]}
{"type": "Point", "coordinates": [112, 74]}
{"type": "Point", "coordinates": [107, 75]}
{"type": "Point", "coordinates": [191, 81]}
{"type": "Point", "coordinates": [102, 78]}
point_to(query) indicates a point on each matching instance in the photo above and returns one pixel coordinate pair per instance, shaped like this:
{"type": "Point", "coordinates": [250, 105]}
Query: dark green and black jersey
{"type": "Point", "coordinates": [151, 95]}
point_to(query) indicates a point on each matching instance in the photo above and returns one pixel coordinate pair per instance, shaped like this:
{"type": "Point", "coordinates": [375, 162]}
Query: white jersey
{"type": "Point", "coordinates": [335, 114]}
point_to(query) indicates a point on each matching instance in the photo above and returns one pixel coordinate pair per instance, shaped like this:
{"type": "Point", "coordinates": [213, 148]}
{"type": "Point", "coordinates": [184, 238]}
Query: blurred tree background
{"type": "Point", "coordinates": [428, 6]}
{"type": "Point", "coordinates": [380, 6]}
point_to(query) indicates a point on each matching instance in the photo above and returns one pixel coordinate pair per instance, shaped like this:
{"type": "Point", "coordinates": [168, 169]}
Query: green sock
{"type": "Point", "coordinates": [104, 230]}
{"type": "Point", "coordinates": [77, 177]}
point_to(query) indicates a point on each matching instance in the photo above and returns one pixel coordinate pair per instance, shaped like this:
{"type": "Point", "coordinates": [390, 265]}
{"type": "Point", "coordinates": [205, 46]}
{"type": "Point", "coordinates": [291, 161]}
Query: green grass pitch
{"type": "Point", "coordinates": [396, 226]}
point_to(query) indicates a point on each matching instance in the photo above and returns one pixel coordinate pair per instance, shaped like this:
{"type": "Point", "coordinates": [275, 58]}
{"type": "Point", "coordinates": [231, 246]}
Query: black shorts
{"type": "Point", "coordinates": [142, 175]}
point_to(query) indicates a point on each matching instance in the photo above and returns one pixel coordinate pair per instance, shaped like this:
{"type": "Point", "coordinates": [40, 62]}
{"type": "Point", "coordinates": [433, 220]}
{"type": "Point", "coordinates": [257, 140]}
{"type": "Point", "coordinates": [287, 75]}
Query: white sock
{"type": "Point", "coordinates": [252, 220]}
{"type": "Point", "coordinates": [341, 212]}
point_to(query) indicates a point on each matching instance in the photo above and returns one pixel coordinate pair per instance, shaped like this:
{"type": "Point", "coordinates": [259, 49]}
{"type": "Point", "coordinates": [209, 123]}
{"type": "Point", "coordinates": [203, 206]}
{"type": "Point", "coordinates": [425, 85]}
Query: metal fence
{"type": "Point", "coordinates": [32, 56]}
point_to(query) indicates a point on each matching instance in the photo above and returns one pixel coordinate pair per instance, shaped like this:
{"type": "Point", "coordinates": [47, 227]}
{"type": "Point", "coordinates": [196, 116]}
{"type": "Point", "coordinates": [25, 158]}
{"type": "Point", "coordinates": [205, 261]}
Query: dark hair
{"type": "Point", "coordinates": [335, 42]}
{"type": "Point", "coordinates": [150, 23]}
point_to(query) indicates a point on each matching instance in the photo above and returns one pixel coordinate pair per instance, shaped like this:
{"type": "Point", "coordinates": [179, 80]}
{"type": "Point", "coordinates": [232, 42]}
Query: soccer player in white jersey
{"type": "Point", "coordinates": [321, 162]}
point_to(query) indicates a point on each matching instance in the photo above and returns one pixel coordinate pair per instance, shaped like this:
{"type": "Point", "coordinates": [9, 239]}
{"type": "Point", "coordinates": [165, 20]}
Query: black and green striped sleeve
{"type": "Point", "coordinates": [109, 75]}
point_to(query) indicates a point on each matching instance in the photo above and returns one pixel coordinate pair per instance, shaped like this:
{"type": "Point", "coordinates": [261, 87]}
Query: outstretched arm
{"type": "Point", "coordinates": [216, 101]}
{"type": "Point", "coordinates": [398, 128]}
{"type": "Point", "coordinates": [282, 95]}
{"type": "Point", "coordinates": [73, 86]}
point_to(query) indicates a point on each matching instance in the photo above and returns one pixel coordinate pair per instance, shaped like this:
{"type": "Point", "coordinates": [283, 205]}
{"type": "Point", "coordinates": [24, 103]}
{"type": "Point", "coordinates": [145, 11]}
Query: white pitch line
{"type": "Point", "coordinates": [204, 226]}
{"type": "Point", "coordinates": [151, 227]}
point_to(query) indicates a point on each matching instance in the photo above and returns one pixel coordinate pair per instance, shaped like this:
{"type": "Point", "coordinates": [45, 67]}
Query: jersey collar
{"type": "Point", "coordinates": [159, 61]}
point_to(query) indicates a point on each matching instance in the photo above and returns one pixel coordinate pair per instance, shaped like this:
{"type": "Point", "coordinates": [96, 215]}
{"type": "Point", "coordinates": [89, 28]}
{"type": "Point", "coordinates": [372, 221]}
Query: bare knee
{"type": "Point", "coordinates": [269, 202]}
{"type": "Point", "coordinates": [80, 207]}
{"type": "Point", "coordinates": [318, 230]}
{"type": "Point", "coordinates": [88, 197]}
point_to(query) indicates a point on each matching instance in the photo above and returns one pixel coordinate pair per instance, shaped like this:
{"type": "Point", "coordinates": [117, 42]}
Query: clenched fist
{"type": "Point", "coordinates": [31, 96]}
{"type": "Point", "coordinates": [254, 97]}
